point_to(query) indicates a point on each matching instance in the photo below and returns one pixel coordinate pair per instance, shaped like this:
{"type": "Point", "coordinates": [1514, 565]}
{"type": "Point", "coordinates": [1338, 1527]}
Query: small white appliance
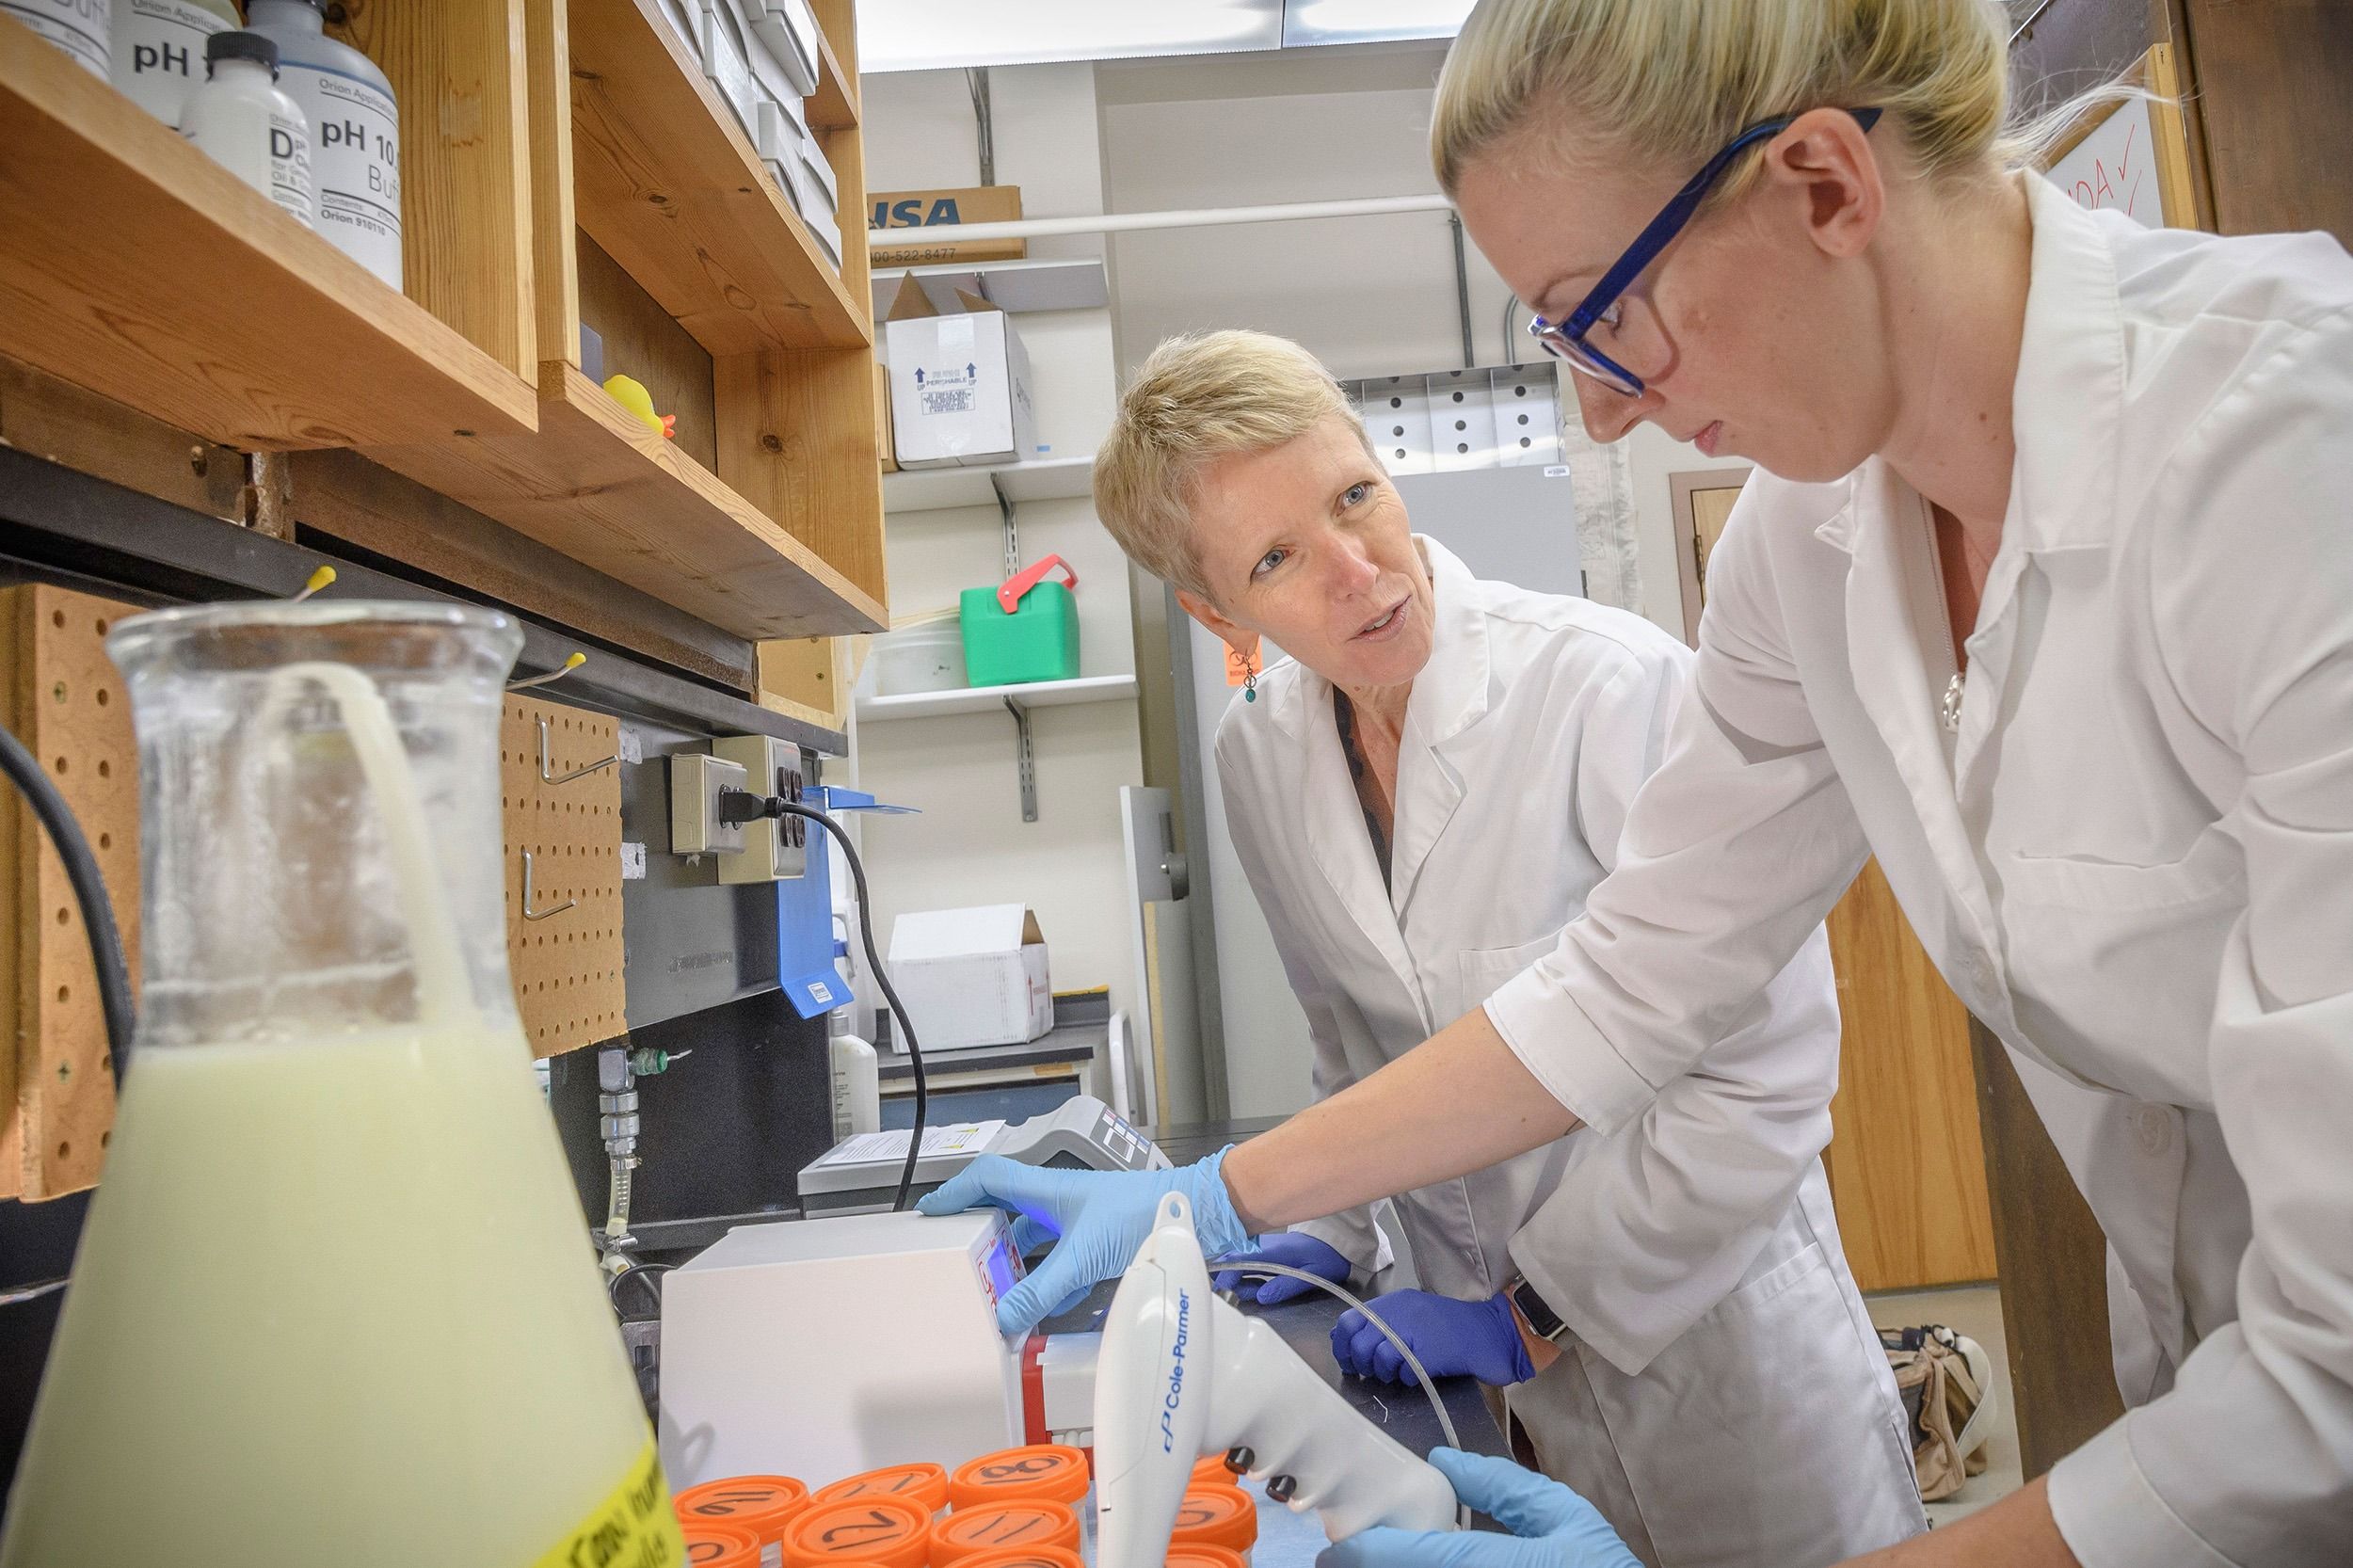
{"type": "Point", "coordinates": [1081, 1134]}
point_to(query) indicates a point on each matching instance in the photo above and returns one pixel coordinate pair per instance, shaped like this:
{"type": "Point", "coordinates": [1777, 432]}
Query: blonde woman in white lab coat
{"type": "Point", "coordinates": [2045, 597]}
{"type": "Point", "coordinates": [1423, 793]}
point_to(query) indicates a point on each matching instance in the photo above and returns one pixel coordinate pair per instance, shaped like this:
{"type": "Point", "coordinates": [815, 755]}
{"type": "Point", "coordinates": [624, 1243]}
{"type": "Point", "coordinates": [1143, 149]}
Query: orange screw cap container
{"type": "Point", "coordinates": [1212, 1472]}
{"type": "Point", "coordinates": [1217, 1517]}
{"type": "Point", "coordinates": [1201, 1556]}
{"type": "Point", "coordinates": [890, 1532]}
{"type": "Point", "coordinates": [1045, 1470]}
{"type": "Point", "coordinates": [1024, 1521]}
{"type": "Point", "coordinates": [1024, 1556]}
{"type": "Point", "coordinates": [925, 1485]}
{"type": "Point", "coordinates": [764, 1505]}
{"type": "Point", "coordinates": [711, 1545]}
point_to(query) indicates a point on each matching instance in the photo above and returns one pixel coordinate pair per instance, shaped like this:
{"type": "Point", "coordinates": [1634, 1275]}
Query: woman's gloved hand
{"type": "Point", "coordinates": [1097, 1218]}
{"type": "Point", "coordinates": [1551, 1525]}
{"type": "Point", "coordinates": [1295, 1248]}
{"type": "Point", "coordinates": [1451, 1337]}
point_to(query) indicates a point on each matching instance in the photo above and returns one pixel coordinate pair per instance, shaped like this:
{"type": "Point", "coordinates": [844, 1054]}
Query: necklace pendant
{"type": "Point", "coordinates": [1950, 708]}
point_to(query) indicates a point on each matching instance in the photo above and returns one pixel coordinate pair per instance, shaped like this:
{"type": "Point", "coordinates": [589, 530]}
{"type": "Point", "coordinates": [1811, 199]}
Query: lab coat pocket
{"type": "Point", "coordinates": [1480, 972]}
{"type": "Point", "coordinates": [1768, 1431]}
{"type": "Point", "coordinates": [2214, 868]}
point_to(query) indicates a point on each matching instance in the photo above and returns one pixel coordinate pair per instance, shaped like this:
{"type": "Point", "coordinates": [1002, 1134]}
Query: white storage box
{"type": "Point", "coordinates": [818, 187]}
{"type": "Point", "coordinates": [728, 62]}
{"type": "Point", "coordinates": [959, 384]}
{"type": "Point", "coordinates": [787, 30]}
{"type": "Point", "coordinates": [781, 134]}
{"type": "Point", "coordinates": [972, 977]}
{"type": "Point", "coordinates": [920, 659]}
{"type": "Point", "coordinates": [822, 228]}
{"type": "Point", "coordinates": [685, 18]}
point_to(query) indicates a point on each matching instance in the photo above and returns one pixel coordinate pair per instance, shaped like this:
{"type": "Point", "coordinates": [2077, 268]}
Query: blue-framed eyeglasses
{"type": "Point", "coordinates": [1567, 341]}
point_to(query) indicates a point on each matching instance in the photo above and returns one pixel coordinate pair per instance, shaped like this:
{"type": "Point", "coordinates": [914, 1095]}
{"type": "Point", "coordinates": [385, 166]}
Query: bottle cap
{"type": "Point", "coordinates": [1025, 1557]}
{"type": "Point", "coordinates": [710, 1544]}
{"type": "Point", "coordinates": [761, 1504]}
{"type": "Point", "coordinates": [1047, 1470]}
{"type": "Point", "coordinates": [925, 1485]}
{"type": "Point", "coordinates": [1025, 1522]}
{"type": "Point", "coordinates": [890, 1532]}
{"type": "Point", "coordinates": [241, 46]}
{"type": "Point", "coordinates": [1213, 1472]}
{"type": "Point", "coordinates": [1216, 1516]}
{"type": "Point", "coordinates": [1193, 1556]}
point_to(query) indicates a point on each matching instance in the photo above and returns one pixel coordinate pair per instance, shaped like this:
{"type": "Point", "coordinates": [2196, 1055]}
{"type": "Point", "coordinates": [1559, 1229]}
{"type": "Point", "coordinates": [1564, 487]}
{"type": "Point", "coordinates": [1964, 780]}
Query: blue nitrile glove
{"type": "Point", "coordinates": [1294, 1247]}
{"type": "Point", "coordinates": [1098, 1218]}
{"type": "Point", "coordinates": [1551, 1525]}
{"type": "Point", "coordinates": [1452, 1338]}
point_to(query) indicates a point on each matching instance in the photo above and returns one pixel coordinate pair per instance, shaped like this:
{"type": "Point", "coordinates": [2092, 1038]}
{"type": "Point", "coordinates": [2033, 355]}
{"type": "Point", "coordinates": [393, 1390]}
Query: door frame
{"type": "Point", "coordinates": [1679, 488]}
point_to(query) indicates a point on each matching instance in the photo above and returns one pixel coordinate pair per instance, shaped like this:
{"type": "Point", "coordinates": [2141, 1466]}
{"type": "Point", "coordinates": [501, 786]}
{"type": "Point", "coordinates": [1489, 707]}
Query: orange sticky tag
{"type": "Point", "coordinates": [1240, 664]}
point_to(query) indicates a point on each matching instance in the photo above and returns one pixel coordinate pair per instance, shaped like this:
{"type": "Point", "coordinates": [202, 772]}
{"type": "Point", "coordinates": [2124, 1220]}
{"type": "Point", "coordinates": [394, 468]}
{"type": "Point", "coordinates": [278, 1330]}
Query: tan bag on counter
{"type": "Point", "coordinates": [1947, 1382]}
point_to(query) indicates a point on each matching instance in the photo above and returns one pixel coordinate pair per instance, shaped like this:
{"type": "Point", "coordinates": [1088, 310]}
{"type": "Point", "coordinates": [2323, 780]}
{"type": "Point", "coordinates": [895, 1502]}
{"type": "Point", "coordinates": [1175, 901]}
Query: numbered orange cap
{"type": "Point", "coordinates": [925, 1485]}
{"type": "Point", "coordinates": [1212, 1471]}
{"type": "Point", "coordinates": [760, 1504]}
{"type": "Point", "coordinates": [1043, 1470]}
{"type": "Point", "coordinates": [710, 1544]}
{"type": "Point", "coordinates": [1026, 1522]}
{"type": "Point", "coordinates": [1024, 1556]}
{"type": "Point", "coordinates": [1216, 1516]}
{"type": "Point", "coordinates": [1201, 1556]}
{"type": "Point", "coordinates": [890, 1532]}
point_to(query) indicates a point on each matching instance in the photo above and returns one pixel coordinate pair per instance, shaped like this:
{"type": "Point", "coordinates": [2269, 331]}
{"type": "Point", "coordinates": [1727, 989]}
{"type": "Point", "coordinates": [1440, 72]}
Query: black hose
{"type": "Point", "coordinates": [90, 891]}
{"type": "Point", "coordinates": [874, 962]}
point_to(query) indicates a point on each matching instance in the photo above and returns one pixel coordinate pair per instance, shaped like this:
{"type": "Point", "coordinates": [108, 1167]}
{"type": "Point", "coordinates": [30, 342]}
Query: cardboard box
{"type": "Point", "coordinates": [972, 977]}
{"type": "Point", "coordinates": [927, 220]}
{"type": "Point", "coordinates": [959, 384]}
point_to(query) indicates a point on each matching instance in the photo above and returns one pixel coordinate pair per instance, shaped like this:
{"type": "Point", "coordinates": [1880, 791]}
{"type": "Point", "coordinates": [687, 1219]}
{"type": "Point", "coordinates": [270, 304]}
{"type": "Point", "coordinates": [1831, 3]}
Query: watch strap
{"type": "Point", "coordinates": [1541, 1319]}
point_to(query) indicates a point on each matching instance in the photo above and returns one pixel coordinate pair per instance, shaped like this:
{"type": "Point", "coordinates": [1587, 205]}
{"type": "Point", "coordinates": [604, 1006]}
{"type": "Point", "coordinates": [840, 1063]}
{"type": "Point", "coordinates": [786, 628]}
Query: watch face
{"type": "Point", "coordinates": [1541, 1317]}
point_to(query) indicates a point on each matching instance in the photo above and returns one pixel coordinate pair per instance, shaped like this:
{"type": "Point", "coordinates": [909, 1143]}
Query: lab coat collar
{"type": "Point", "coordinates": [2067, 404]}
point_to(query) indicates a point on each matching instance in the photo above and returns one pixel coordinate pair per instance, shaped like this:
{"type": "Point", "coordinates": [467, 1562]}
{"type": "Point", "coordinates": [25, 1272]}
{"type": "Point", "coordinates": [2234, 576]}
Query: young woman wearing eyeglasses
{"type": "Point", "coordinates": [2044, 596]}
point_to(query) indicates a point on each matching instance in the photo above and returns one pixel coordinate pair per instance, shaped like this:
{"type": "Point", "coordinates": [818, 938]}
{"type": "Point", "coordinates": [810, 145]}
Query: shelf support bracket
{"type": "Point", "coordinates": [1026, 758]}
{"type": "Point", "coordinates": [1012, 526]}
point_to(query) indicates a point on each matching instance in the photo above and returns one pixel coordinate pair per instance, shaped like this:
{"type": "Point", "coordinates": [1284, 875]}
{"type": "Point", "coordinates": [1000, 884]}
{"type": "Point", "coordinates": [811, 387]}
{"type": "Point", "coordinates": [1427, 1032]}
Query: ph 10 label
{"type": "Point", "coordinates": [355, 164]}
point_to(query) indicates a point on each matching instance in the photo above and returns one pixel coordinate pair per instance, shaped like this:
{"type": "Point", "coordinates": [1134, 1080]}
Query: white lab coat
{"type": "Point", "coordinates": [2134, 859]}
{"type": "Point", "coordinates": [1724, 1398]}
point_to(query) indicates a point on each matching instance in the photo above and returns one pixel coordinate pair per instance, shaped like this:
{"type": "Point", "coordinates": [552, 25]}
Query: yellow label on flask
{"type": "Point", "coordinates": [634, 1527]}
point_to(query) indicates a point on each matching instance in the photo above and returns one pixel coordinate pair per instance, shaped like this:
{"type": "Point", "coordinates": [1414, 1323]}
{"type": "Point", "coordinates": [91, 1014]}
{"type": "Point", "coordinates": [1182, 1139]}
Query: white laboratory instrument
{"type": "Point", "coordinates": [822, 1348]}
{"type": "Point", "coordinates": [1182, 1375]}
{"type": "Point", "coordinates": [861, 1173]}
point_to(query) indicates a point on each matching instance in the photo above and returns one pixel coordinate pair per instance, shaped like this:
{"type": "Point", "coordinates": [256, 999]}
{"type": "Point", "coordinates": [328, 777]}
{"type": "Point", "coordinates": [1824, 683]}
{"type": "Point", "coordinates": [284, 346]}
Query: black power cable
{"type": "Point", "coordinates": [90, 891]}
{"type": "Point", "coordinates": [741, 806]}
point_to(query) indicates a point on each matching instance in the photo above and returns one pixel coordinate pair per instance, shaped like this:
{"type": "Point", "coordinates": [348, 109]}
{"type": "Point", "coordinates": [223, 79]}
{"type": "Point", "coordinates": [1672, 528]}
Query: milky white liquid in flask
{"type": "Point", "coordinates": [335, 1305]}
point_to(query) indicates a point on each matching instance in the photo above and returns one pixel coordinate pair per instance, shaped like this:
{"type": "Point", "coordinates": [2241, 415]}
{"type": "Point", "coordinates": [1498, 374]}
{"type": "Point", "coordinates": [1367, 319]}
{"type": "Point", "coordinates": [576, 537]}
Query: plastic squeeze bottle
{"type": "Point", "coordinates": [159, 50]}
{"type": "Point", "coordinates": [240, 120]}
{"type": "Point", "coordinates": [355, 131]}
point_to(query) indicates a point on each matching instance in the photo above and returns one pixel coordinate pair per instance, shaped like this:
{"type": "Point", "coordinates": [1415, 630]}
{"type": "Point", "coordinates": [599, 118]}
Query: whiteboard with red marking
{"type": "Point", "coordinates": [2116, 167]}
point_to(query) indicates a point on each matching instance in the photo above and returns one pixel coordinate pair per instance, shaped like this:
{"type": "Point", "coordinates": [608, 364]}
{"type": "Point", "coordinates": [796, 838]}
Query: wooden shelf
{"type": "Point", "coordinates": [668, 182]}
{"type": "Point", "coordinates": [933, 490]}
{"type": "Point", "coordinates": [135, 265]}
{"type": "Point", "coordinates": [602, 487]}
{"type": "Point", "coordinates": [1011, 286]}
{"type": "Point", "coordinates": [992, 699]}
{"type": "Point", "coordinates": [834, 105]}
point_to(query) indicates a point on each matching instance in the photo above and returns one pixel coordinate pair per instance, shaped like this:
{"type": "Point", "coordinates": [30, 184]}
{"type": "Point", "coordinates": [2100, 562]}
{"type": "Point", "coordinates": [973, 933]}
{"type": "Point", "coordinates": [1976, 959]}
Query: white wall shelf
{"type": "Point", "coordinates": [989, 699]}
{"type": "Point", "coordinates": [1079, 284]}
{"type": "Point", "coordinates": [932, 490]}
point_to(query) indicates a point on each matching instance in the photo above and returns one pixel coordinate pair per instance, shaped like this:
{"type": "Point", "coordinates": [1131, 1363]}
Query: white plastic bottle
{"type": "Point", "coordinates": [240, 120]}
{"type": "Point", "coordinates": [83, 28]}
{"type": "Point", "coordinates": [159, 50]}
{"type": "Point", "coordinates": [355, 131]}
{"type": "Point", "coordinates": [856, 1087]}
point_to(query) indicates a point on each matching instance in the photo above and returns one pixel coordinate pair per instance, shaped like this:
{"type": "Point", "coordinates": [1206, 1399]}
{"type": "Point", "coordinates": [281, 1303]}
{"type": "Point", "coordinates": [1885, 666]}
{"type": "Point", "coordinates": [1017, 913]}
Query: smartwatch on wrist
{"type": "Point", "coordinates": [1541, 1321]}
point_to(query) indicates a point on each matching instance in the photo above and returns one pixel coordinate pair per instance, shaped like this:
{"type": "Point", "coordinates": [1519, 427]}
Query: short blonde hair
{"type": "Point", "coordinates": [1198, 398]}
{"type": "Point", "coordinates": [1674, 80]}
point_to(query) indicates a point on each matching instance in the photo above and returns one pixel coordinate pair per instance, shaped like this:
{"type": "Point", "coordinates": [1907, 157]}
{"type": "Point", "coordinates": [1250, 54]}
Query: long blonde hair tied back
{"type": "Point", "coordinates": [1674, 80]}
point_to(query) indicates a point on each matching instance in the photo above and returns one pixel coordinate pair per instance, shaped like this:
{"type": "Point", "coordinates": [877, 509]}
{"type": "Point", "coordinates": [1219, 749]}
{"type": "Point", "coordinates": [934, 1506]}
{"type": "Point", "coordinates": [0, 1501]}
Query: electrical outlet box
{"type": "Point", "coordinates": [775, 849]}
{"type": "Point", "coordinates": [697, 781]}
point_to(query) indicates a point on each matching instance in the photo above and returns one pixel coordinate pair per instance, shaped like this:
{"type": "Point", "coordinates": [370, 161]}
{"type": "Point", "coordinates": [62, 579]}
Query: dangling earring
{"type": "Point", "coordinates": [1249, 678]}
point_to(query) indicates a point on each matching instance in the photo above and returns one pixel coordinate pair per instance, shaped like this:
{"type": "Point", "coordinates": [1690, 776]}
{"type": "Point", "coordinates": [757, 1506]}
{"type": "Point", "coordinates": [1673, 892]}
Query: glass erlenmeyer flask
{"type": "Point", "coordinates": [335, 1303]}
